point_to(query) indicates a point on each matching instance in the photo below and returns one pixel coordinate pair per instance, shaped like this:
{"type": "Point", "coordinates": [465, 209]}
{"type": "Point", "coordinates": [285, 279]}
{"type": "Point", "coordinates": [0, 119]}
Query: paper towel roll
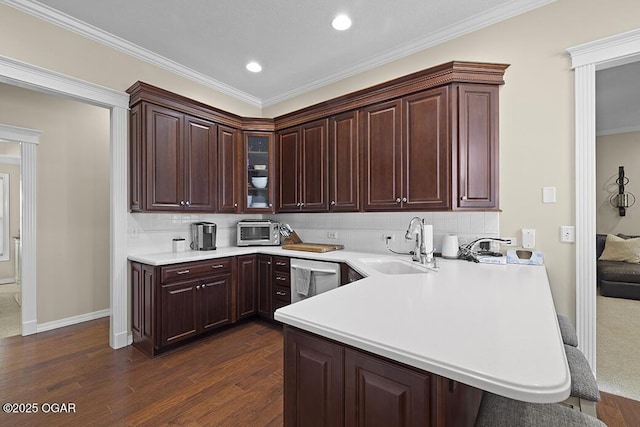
{"type": "Point", "coordinates": [450, 246]}
{"type": "Point", "coordinates": [428, 238]}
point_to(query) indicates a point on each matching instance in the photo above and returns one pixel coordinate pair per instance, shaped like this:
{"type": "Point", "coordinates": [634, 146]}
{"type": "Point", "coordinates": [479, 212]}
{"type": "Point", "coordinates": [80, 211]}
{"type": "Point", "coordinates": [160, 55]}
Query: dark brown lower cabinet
{"type": "Point", "coordinates": [247, 286]}
{"type": "Point", "coordinates": [330, 384]}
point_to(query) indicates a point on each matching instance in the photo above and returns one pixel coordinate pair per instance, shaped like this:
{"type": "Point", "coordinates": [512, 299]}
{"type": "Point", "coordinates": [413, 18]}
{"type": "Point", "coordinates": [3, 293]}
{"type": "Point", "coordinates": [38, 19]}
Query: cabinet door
{"type": "Point", "coordinates": [313, 381]}
{"type": "Point", "coordinates": [288, 171]}
{"type": "Point", "coordinates": [344, 164]}
{"type": "Point", "coordinates": [178, 311]}
{"type": "Point", "coordinates": [425, 153]}
{"type": "Point", "coordinates": [258, 162]}
{"type": "Point", "coordinates": [264, 286]}
{"type": "Point", "coordinates": [314, 167]}
{"type": "Point", "coordinates": [247, 286]}
{"type": "Point", "coordinates": [380, 393]}
{"type": "Point", "coordinates": [164, 159]}
{"type": "Point", "coordinates": [136, 180]}
{"type": "Point", "coordinates": [215, 302]}
{"type": "Point", "coordinates": [143, 294]}
{"type": "Point", "coordinates": [201, 163]}
{"type": "Point", "coordinates": [477, 147]}
{"type": "Point", "coordinates": [381, 139]}
{"type": "Point", "coordinates": [458, 403]}
{"type": "Point", "coordinates": [228, 153]}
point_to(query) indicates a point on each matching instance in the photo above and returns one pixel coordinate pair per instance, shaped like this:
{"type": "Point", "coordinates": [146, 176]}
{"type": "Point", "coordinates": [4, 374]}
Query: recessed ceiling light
{"type": "Point", "coordinates": [254, 67]}
{"type": "Point", "coordinates": [341, 22]}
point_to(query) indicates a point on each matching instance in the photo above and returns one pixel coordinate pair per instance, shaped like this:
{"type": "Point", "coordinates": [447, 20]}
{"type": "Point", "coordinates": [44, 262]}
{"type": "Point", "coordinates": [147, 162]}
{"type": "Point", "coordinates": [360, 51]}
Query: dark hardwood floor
{"type": "Point", "coordinates": [233, 378]}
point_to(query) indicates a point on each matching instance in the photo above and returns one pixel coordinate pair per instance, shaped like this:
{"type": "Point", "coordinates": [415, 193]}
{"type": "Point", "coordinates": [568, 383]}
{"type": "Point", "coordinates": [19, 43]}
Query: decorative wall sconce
{"type": "Point", "coordinates": [622, 200]}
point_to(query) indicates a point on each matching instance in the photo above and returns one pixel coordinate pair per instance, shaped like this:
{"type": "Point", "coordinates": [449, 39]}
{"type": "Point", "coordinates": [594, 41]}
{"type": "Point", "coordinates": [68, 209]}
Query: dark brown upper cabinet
{"type": "Point", "coordinates": [344, 163]}
{"type": "Point", "coordinates": [258, 183]}
{"type": "Point", "coordinates": [477, 148]}
{"type": "Point", "coordinates": [228, 179]}
{"type": "Point", "coordinates": [179, 159]}
{"type": "Point", "coordinates": [303, 180]}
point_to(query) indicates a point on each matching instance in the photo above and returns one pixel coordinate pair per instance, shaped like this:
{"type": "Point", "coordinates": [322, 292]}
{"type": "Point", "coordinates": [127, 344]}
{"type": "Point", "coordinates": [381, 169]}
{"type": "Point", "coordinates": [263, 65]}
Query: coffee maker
{"type": "Point", "coordinates": [203, 236]}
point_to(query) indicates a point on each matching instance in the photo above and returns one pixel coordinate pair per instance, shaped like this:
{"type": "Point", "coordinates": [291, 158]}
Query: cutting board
{"type": "Point", "coordinates": [311, 247]}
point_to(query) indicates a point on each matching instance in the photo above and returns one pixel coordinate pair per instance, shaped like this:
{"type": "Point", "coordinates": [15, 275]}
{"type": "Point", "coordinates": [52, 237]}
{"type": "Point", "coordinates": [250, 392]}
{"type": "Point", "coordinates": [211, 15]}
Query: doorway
{"type": "Point", "coordinates": [10, 249]}
{"type": "Point", "coordinates": [618, 145]}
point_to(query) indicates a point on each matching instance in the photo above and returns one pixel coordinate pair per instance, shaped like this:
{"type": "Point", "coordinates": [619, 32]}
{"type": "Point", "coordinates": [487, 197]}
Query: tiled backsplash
{"type": "Point", "coordinates": [149, 233]}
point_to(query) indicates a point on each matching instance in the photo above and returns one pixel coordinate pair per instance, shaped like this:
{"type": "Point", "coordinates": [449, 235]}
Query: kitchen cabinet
{"type": "Point", "coordinates": [265, 288]}
{"type": "Point", "coordinates": [258, 182]}
{"type": "Point", "coordinates": [344, 163]}
{"type": "Point", "coordinates": [380, 392]}
{"type": "Point", "coordinates": [348, 274]}
{"type": "Point", "coordinates": [281, 283]}
{"type": "Point", "coordinates": [407, 153]}
{"type": "Point", "coordinates": [327, 383]}
{"type": "Point", "coordinates": [228, 177]}
{"type": "Point", "coordinates": [477, 149]}
{"type": "Point", "coordinates": [174, 303]}
{"type": "Point", "coordinates": [303, 181]}
{"type": "Point", "coordinates": [173, 161]}
{"type": "Point", "coordinates": [247, 297]}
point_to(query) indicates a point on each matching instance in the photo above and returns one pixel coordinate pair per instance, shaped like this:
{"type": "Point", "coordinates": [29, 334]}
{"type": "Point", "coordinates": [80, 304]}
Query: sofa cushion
{"type": "Point", "coordinates": [600, 240]}
{"type": "Point", "coordinates": [619, 249]}
{"type": "Point", "coordinates": [616, 271]}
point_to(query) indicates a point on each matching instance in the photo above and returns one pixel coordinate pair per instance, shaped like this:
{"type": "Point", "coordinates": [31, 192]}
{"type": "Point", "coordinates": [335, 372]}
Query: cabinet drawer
{"type": "Point", "coordinates": [281, 293]}
{"type": "Point", "coordinates": [281, 263]}
{"type": "Point", "coordinates": [281, 279]}
{"type": "Point", "coordinates": [195, 269]}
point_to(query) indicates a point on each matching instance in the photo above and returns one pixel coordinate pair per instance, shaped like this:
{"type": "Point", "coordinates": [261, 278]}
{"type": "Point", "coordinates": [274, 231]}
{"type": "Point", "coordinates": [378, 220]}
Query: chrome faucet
{"type": "Point", "coordinates": [416, 226]}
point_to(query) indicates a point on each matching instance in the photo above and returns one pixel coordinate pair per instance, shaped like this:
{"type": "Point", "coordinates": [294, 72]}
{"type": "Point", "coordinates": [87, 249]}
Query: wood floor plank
{"type": "Point", "coordinates": [204, 383]}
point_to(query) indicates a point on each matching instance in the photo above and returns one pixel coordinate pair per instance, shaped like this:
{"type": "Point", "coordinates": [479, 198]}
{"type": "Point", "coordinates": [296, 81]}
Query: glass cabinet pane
{"type": "Point", "coordinates": [258, 176]}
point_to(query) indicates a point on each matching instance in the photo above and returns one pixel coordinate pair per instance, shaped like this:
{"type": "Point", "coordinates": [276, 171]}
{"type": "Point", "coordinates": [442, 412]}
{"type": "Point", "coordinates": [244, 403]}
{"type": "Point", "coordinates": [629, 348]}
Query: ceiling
{"type": "Point", "coordinates": [212, 41]}
{"type": "Point", "coordinates": [618, 99]}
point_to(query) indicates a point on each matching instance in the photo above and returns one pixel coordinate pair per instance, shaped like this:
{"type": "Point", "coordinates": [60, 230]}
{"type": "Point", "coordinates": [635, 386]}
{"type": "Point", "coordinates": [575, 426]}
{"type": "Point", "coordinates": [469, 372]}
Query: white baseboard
{"type": "Point", "coordinates": [73, 320]}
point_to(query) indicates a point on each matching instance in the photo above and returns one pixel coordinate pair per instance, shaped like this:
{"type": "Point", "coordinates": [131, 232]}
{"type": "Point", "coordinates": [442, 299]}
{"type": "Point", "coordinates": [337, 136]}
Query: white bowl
{"type": "Point", "coordinates": [259, 181]}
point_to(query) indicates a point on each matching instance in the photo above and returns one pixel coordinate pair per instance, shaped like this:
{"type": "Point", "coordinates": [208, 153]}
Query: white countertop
{"type": "Point", "coordinates": [493, 327]}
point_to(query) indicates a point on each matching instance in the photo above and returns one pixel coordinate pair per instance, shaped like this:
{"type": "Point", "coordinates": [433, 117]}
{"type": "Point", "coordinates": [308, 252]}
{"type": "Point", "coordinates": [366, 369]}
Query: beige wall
{"type": "Point", "coordinates": [536, 114]}
{"type": "Point", "coordinates": [72, 200]}
{"type": "Point", "coordinates": [613, 151]}
{"type": "Point", "coordinates": [536, 130]}
{"type": "Point", "coordinates": [7, 268]}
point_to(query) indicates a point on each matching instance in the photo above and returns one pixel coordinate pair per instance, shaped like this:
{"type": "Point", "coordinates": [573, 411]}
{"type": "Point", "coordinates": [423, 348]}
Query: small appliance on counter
{"type": "Point", "coordinates": [450, 246]}
{"type": "Point", "coordinates": [258, 232]}
{"type": "Point", "coordinates": [203, 236]}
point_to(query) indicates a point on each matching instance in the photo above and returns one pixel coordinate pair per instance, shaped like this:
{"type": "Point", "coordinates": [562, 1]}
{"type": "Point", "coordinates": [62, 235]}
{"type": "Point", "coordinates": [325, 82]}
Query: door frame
{"type": "Point", "coordinates": [586, 59]}
{"type": "Point", "coordinates": [18, 73]}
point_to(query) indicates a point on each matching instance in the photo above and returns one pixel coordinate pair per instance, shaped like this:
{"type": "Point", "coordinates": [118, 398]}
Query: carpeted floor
{"type": "Point", "coordinates": [10, 313]}
{"type": "Point", "coordinates": [618, 346]}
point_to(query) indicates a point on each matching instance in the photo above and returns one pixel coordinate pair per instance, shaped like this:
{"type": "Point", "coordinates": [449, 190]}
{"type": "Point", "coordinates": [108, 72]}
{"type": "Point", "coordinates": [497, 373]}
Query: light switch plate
{"type": "Point", "coordinates": [528, 238]}
{"type": "Point", "coordinates": [548, 194]}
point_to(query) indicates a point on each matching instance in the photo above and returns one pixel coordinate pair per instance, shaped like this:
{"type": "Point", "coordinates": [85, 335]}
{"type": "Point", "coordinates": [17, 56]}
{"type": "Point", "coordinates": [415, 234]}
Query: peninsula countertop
{"type": "Point", "coordinates": [493, 327]}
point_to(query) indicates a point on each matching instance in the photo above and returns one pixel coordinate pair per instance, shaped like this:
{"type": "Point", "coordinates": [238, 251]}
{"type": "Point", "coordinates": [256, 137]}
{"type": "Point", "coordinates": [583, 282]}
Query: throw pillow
{"type": "Point", "coordinates": [619, 249]}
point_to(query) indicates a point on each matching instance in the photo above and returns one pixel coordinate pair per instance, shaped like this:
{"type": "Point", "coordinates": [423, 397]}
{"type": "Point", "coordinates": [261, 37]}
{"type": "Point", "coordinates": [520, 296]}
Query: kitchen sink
{"type": "Point", "coordinates": [394, 266]}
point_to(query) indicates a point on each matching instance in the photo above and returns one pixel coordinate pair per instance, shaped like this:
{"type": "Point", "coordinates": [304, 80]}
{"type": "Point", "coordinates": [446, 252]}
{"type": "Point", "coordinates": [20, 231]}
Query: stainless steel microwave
{"type": "Point", "coordinates": [258, 232]}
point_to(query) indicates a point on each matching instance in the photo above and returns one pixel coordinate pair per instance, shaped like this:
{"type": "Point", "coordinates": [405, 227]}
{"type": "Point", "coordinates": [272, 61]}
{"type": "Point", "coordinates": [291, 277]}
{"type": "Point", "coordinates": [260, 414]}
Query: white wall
{"type": "Point", "coordinates": [613, 151]}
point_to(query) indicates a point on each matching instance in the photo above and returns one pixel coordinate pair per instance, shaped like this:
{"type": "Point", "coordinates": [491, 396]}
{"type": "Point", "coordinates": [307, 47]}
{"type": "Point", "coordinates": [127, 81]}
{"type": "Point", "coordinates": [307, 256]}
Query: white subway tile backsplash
{"type": "Point", "coordinates": [358, 231]}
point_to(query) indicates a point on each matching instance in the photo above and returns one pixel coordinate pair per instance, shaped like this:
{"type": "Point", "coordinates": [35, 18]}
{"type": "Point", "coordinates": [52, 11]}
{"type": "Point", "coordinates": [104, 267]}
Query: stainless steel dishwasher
{"type": "Point", "coordinates": [310, 278]}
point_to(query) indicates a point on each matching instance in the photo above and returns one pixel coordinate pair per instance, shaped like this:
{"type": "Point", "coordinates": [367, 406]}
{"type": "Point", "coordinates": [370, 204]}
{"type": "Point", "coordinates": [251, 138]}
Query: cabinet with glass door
{"type": "Point", "coordinates": [258, 178]}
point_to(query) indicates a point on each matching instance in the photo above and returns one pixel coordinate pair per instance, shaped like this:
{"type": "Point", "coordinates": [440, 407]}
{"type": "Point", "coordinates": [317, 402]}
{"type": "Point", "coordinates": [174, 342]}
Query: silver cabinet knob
{"type": "Point", "coordinates": [188, 203]}
{"type": "Point", "coordinates": [235, 205]}
{"type": "Point", "coordinates": [404, 199]}
{"type": "Point", "coordinates": [181, 202]}
{"type": "Point", "coordinates": [198, 288]}
{"type": "Point", "coordinates": [463, 198]}
{"type": "Point", "coordinates": [333, 203]}
{"type": "Point", "coordinates": [398, 200]}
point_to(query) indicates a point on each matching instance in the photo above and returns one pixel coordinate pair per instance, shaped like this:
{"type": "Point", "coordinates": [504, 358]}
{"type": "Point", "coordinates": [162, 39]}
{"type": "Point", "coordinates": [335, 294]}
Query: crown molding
{"type": "Point", "coordinates": [466, 26]}
{"type": "Point", "coordinates": [84, 29]}
{"type": "Point", "coordinates": [623, 47]}
{"type": "Point", "coordinates": [461, 28]}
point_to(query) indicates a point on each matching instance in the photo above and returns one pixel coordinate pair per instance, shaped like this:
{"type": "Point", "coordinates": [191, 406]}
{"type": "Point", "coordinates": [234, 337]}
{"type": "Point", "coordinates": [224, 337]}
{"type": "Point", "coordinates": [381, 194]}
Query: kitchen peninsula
{"type": "Point", "coordinates": [370, 349]}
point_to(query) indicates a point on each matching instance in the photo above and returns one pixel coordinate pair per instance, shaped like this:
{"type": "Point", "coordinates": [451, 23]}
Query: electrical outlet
{"type": "Point", "coordinates": [332, 234]}
{"type": "Point", "coordinates": [528, 238]}
{"type": "Point", "coordinates": [512, 241]}
{"type": "Point", "coordinates": [567, 234]}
